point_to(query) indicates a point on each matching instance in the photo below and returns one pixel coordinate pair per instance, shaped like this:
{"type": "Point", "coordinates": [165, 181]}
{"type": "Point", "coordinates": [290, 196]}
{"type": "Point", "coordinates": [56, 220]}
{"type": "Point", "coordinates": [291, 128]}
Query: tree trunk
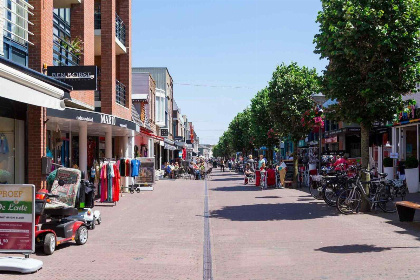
{"type": "Point", "coordinates": [295, 164]}
{"type": "Point", "coordinates": [364, 146]}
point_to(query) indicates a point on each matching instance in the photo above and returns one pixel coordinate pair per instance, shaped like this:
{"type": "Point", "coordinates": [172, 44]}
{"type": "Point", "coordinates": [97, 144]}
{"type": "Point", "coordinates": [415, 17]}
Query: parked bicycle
{"type": "Point", "coordinates": [381, 193]}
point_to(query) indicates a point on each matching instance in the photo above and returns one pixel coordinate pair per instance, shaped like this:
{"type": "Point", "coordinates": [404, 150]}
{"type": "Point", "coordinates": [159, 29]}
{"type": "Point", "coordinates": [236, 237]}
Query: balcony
{"type": "Point", "coordinates": [120, 93]}
{"type": "Point", "coordinates": [120, 34]}
{"type": "Point", "coordinates": [63, 53]}
{"type": "Point", "coordinates": [65, 3]}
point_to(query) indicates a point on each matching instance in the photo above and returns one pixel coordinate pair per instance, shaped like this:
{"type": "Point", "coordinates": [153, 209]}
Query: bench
{"type": "Point", "coordinates": [406, 210]}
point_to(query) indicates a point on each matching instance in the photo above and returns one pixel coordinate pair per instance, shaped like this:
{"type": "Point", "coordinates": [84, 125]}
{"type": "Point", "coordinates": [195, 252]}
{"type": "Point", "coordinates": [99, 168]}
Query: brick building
{"type": "Point", "coordinates": [96, 123]}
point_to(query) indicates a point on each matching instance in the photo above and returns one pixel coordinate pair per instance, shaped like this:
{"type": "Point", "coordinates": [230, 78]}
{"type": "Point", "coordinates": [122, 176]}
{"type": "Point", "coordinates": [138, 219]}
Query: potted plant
{"type": "Point", "coordinates": [388, 168]}
{"type": "Point", "coordinates": [412, 174]}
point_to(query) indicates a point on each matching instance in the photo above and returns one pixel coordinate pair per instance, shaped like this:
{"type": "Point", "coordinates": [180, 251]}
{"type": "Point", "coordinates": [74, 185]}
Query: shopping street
{"type": "Point", "coordinates": [254, 234]}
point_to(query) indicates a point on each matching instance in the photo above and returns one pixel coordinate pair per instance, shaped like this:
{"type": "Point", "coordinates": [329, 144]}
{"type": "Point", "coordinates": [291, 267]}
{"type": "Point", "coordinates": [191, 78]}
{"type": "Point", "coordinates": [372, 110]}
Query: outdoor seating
{"type": "Point", "coordinates": [406, 210]}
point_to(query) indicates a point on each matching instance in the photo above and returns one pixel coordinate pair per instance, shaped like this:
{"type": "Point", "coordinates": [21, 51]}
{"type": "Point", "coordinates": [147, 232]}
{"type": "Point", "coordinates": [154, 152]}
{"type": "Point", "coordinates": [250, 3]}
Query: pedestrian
{"type": "Point", "coordinates": [281, 168]}
{"type": "Point", "coordinates": [251, 163]}
{"type": "Point", "coordinates": [222, 165]}
{"type": "Point", "coordinates": [261, 161]}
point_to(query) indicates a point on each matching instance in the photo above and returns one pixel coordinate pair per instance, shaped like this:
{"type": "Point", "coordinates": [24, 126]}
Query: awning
{"type": "Point", "coordinates": [169, 147]}
{"type": "Point", "coordinates": [18, 86]}
{"type": "Point", "coordinates": [144, 131]}
{"type": "Point", "coordinates": [140, 97]}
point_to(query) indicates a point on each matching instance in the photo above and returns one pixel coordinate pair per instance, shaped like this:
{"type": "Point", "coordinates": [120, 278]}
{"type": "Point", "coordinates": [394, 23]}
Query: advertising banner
{"type": "Point", "coordinates": [17, 218]}
{"type": "Point", "coordinates": [147, 171]}
{"type": "Point", "coordinates": [79, 77]}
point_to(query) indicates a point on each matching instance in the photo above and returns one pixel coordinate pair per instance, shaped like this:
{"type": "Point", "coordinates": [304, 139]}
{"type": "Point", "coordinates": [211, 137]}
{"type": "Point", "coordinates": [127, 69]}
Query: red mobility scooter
{"type": "Point", "coordinates": [52, 225]}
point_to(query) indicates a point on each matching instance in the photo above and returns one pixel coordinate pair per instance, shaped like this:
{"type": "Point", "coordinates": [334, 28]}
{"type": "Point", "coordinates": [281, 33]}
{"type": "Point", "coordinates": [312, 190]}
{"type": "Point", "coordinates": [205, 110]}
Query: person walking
{"type": "Point", "coordinates": [282, 172]}
{"type": "Point", "coordinates": [222, 165]}
{"type": "Point", "coordinates": [261, 162]}
{"type": "Point", "coordinates": [251, 163]}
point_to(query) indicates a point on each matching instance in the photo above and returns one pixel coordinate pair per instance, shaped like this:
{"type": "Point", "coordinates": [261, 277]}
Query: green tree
{"type": "Point", "coordinates": [240, 131]}
{"type": "Point", "coordinates": [373, 51]}
{"type": "Point", "coordinates": [261, 121]}
{"type": "Point", "coordinates": [290, 91]}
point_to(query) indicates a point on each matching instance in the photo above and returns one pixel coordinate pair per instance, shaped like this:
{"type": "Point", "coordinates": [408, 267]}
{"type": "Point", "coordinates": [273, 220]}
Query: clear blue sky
{"type": "Point", "coordinates": [223, 44]}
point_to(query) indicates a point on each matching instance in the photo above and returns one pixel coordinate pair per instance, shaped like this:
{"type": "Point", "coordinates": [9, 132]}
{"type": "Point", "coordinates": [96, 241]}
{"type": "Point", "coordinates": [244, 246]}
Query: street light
{"type": "Point", "coordinates": [319, 99]}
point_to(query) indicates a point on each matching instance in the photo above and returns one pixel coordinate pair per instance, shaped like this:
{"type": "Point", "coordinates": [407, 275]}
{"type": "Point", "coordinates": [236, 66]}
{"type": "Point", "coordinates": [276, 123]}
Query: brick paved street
{"type": "Point", "coordinates": [270, 234]}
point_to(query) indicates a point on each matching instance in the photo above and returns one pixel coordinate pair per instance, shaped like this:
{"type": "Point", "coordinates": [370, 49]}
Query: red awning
{"type": "Point", "coordinates": [144, 131]}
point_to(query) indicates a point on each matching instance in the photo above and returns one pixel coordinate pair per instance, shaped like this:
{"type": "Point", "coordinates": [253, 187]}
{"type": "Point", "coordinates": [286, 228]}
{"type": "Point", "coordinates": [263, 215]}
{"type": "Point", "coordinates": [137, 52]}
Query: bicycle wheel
{"type": "Point", "coordinates": [315, 189]}
{"type": "Point", "coordinates": [329, 194]}
{"type": "Point", "coordinates": [348, 201]}
{"type": "Point", "coordinates": [386, 201]}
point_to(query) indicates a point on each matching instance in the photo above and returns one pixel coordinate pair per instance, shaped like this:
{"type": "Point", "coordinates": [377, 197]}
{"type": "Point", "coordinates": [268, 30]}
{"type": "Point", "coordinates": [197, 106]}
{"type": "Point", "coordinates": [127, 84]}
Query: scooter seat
{"type": "Point", "coordinates": [68, 211]}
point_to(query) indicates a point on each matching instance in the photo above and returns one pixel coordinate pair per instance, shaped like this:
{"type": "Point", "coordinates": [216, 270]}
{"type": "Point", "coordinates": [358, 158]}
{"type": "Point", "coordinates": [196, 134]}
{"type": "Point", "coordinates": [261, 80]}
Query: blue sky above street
{"type": "Point", "coordinates": [226, 50]}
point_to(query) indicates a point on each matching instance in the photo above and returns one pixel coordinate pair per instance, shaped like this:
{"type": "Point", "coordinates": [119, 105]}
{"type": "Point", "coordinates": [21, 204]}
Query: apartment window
{"type": "Point", "coordinates": [65, 52]}
{"type": "Point", "coordinates": [16, 33]}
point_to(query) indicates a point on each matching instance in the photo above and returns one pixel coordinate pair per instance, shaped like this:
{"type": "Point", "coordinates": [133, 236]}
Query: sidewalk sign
{"type": "Point", "coordinates": [17, 227]}
{"type": "Point", "coordinates": [146, 177]}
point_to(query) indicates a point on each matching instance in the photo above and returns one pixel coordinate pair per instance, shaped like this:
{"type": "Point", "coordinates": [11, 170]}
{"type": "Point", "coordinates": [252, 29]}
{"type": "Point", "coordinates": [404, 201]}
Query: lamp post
{"type": "Point", "coordinates": [319, 99]}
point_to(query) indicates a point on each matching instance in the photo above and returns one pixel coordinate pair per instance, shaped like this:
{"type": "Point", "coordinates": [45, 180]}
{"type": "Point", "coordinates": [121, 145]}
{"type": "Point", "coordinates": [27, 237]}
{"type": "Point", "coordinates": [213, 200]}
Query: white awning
{"type": "Point", "coordinates": [140, 96]}
{"type": "Point", "coordinates": [21, 87]}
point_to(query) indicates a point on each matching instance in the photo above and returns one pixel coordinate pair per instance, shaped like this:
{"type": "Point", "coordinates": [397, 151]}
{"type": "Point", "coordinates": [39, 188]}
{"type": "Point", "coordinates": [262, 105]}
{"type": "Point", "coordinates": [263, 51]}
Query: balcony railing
{"type": "Point", "coordinates": [120, 92]}
{"type": "Point", "coordinates": [63, 53]}
{"type": "Point", "coordinates": [119, 26]}
{"type": "Point", "coordinates": [119, 29]}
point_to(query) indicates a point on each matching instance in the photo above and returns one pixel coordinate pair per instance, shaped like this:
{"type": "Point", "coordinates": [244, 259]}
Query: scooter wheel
{"type": "Point", "coordinates": [138, 190]}
{"type": "Point", "coordinates": [93, 224]}
{"type": "Point", "coordinates": [131, 191]}
{"type": "Point", "coordinates": [99, 221]}
{"type": "Point", "coordinates": [81, 235]}
{"type": "Point", "coordinates": [49, 244]}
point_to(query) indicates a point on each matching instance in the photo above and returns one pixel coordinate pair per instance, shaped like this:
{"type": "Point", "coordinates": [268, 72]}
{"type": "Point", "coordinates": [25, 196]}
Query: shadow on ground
{"type": "Point", "coordinates": [357, 248]}
{"type": "Point", "coordinates": [274, 212]}
{"type": "Point", "coordinates": [268, 196]}
{"type": "Point", "coordinates": [229, 179]}
{"type": "Point", "coordinates": [237, 189]}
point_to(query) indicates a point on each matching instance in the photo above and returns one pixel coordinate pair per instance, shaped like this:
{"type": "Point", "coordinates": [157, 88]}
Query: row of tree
{"type": "Point", "coordinates": [373, 53]}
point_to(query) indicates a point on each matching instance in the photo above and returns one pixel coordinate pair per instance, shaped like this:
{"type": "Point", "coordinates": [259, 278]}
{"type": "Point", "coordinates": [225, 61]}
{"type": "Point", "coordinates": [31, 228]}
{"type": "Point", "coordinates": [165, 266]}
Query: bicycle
{"type": "Point", "coordinates": [381, 193]}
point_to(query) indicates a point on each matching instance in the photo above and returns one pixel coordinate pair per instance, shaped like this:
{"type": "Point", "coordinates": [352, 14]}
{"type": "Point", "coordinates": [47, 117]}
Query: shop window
{"type": "Point", "coordinates": [11, 151]}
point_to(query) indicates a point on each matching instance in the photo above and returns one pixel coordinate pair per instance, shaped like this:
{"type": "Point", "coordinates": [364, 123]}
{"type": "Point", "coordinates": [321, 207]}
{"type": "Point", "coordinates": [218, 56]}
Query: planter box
{"type": "Point", "coordinates": [390, 172]}
{"type": "Point", "coordinates": [412, 179]}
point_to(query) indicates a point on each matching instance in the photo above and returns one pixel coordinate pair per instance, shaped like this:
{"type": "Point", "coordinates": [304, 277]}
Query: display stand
{"type": "Point", "coordinates": [146, 178]}
{"type": "Point", "coordinates": [17, 226]}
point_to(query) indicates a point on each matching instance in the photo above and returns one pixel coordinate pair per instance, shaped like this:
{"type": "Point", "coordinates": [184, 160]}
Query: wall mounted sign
{"type": "Point", "coordinates": [17, 218]}
{"type": "Point", "coordinates": [89, 116]}
{"type": "Point", "coordinates": [79, 77]}
{"type": "Point", "coordinates": [393, 155]}
{"type": "Point", "coordinates": [164, 132]}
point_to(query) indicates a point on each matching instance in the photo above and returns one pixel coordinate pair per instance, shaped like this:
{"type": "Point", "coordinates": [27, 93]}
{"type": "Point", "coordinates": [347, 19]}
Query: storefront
{"type": "Point", "coordinates": [79, 138]}
{"type": "Point", "coordinates": [347, 139]}
{"type": "Point", "coordinates": [23, 94]}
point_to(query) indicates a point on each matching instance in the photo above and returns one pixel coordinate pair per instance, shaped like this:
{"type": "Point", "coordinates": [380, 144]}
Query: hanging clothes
{"type": "Point", "coordinates": [127, 168]}
{"type": "Point", "coordinates": [135, 166]}
{"type": "Point", "coordinates": [116, 182]}
{"type": "Point", "coordinates": [104, 183]}
{"type": "Point", "coordinates": [122, 167]}
{"type": "Point", "coordinates": [109, 189]}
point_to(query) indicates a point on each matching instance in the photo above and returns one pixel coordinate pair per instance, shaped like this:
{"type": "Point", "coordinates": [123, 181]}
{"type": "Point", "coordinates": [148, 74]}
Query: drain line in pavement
{"type": "Point", "coordinates": [207, 262]}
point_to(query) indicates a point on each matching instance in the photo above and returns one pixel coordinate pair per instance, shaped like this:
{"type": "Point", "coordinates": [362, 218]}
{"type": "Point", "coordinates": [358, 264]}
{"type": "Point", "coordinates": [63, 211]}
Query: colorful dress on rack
{"type": "Point", "coordinates": [116, 182]}
{"type": "Point", "coordinates": [104, 183]}
{"type": "Point", "coordinates": [127, 168]}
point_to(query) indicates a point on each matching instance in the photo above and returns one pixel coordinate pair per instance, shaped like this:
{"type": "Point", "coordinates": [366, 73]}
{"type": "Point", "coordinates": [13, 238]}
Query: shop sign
{"type": "Point", "coordinates": [393, 155]}
{"type": "Point", "coordinates": [178, 138]}
{"type": "Point", "coordinates": [79, 77]}
{"type": "Point", "coordinates": [164, 132]}
{"type": "Point", "coordinates": [87, 119]}
{"type": "Point", "coordinates": [108, 119]}
{"type": "Point", "coordinates": [331, 140]}
{"type": "Point", "coordinates": [353, 129]}
{"type": "Point", "coordinates": [17, 218]}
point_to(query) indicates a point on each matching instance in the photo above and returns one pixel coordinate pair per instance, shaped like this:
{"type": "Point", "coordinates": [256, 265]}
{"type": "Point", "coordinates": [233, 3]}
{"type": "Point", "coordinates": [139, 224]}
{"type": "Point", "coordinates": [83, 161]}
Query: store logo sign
{"type": "Point", "coordinates": [79, 77]}
{"type": "Point", "coordinates": [107, 119]}
{"type": "Point", "coordinates": [86, 119]}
